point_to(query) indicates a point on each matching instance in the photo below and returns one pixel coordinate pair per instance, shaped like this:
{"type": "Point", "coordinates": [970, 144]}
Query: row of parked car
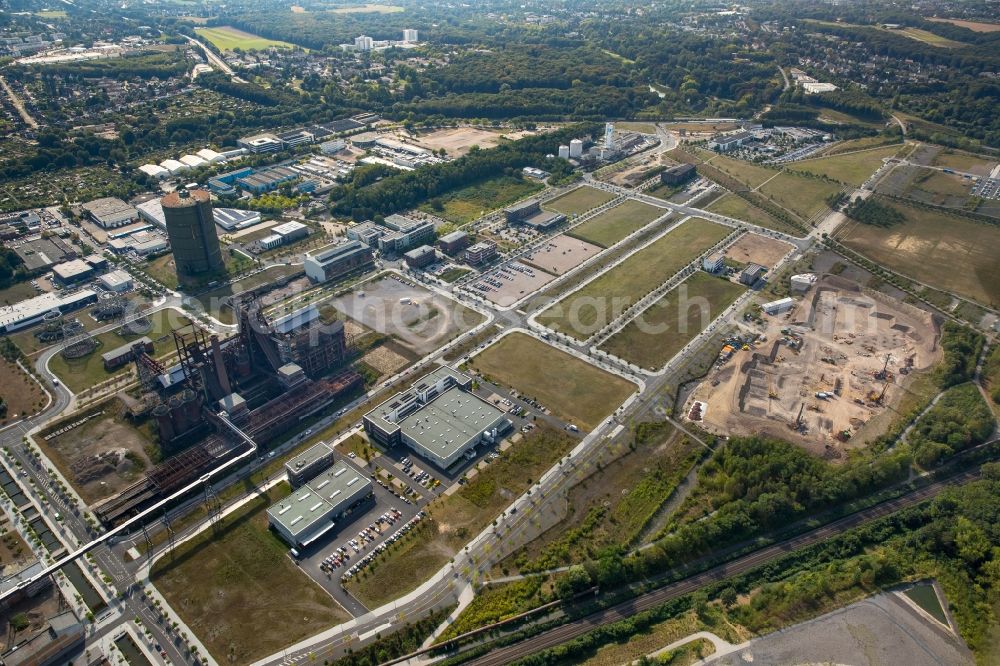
{"type": "Point", "coordinates": [340, 556]}
{"type": "Point", "coordinates": [366, 560]}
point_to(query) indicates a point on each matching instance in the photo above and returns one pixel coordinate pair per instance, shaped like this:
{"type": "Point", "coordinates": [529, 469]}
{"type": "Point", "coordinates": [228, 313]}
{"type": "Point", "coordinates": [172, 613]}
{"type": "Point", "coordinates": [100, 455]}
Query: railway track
{"type": "Point", "coordinates": [626, 609]}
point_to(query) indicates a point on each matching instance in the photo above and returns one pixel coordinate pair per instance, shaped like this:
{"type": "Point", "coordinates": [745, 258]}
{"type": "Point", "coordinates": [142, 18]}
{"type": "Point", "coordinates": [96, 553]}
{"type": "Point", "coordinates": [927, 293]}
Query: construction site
{"type": "Point", "coordinates": [265, 381]}
{"type": "Point", "coordinates": [820, 371]}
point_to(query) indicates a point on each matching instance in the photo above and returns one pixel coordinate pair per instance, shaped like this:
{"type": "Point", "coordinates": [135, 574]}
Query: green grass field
{"type": "Point", "coordinates": [238, 590]}
{"type": "Point", "coordinates": [851, 145]}
{"type": "Point", "coordinates": [615, 224]}
{"type": "Point", "coordinates": [945, 251]}
{"type": "Point", "coordinates": [803, 196]}
{"type": "Point", "coordinates": [580, 200]}
{"type": "Point", "coordinates": [82, 373]}
{"type": "Point", "coordinates": [574, 390]}
{"type": "Point", "coordinates": [590, 308]}
{"type": "Point", "coordinates": [467, 204]}
{"type": "Point", "coordinates": [645, 128]}
{"type": "Point", "coordinates": [656, 335]}
{"type": "Point", "coordinates": [851, 168]}
{"type": "Point", "coordinates": [736, 207]}
{"type": "Point", "coordinates": [227, 38]}
{"type": "Point", "coordinates": [752, 175]}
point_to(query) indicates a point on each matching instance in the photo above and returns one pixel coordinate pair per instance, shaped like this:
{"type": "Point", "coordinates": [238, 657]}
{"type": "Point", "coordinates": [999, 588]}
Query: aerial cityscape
{"type": "Point", "coordinates": [544, 332]}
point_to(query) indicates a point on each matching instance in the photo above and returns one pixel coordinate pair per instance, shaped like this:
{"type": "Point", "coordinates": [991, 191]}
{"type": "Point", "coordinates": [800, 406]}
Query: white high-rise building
{"type": "Point", "coordinates": [363, 43]}
{"type": "Point", "coordinates": [410, 35]}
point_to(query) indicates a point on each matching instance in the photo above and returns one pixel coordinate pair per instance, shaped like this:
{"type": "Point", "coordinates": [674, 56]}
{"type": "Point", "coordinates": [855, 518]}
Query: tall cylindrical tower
{"type": "Point", "coordinates": [191, 229]}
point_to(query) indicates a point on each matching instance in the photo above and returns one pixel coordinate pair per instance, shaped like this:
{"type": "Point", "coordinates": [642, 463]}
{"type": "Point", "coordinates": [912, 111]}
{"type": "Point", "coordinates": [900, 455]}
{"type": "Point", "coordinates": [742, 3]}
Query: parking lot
{"type": "Point", "coordinates": [403, 485]}
{"type": "Point", "coordinates": [512, 282]}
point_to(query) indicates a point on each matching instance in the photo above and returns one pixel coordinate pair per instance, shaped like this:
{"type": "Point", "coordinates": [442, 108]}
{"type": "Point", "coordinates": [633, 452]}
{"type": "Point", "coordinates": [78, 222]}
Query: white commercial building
{"type": "Point", "coordinates": [814, 87]}
{"type": "Point", "coordinates": [152, 211]}
{"type": "Point", "coordinates": [193, 161]}
{"type": "Point", "coordinates": [154, 171]}
{"type": "Point", "coordinates": [33, 310]}
{"type": "Point", "coordinates": [314, 509]}
{"type": "Point", "coordinates": [803, 281]}
{"type": "Point", "coordinates": [778, 306]}
{"type": "Point", "coordinates": [363, 43]}
{"type": "Point", "coordinates": [210, 155]}
{"type": "Point", "coordinates": [233, 219]}
{"type": "Point", "coordinates": [116, 281]}
{"type": "Point", "coordinates": [174, 167]}
{"type": "Point", "coordinates": [110, 212]}
{"type": "Point", "coordinates": [410, 35]}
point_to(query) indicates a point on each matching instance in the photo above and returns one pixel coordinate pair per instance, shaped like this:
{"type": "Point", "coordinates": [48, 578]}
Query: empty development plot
{"type": "Point", "coordinates": [734, 206]}
{"type": "Point", "coordinates": [849, 168]}
{"type": "Point", "coordinates": [600, 301]}
{"type": "Point", "coordinates": [21, 395]}
{"type": "Point", "coordinates": [967, 162]}
{"type": "Point", "coordinates": [227, 38]}
{"type": "Point", "coordinates": [663, 329]}
{"type": "Point", "coordinates": [238, 590]}
{"type": "Point", "coordinates": [457, 141]}
{"type": "Point", "coordinates": [749, 174]}
{"type": "Point", "coordinates": [574, 390]}
{"type": "Point", "coordinates": [420, 320]}
{"type": "Point", "coordinates": [756, 249]}
{"type": "Point", "coordinates": [615, 224]}
{"type": "Point", "coordinates": [580, 200]}
{"type": "Point", "coordinates": [468, 203]}
{"type": "Point", "coordinates": [806, 197]}
{"type": "Point", "coordinates": [561, 254]}
{"type": "Point", "coordinates": [943, 250]}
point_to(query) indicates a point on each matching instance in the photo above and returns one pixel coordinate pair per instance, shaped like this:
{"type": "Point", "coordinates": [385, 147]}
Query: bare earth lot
{"type": "Point", "coordinates": [846, 334]}
{"type": "Point", "coordinates": [751, 248]}
{"type": "Point", "coordinates": [457, 141]}
{"type": "Point", "coordinates": [419, 319]}
{"type": "Point", "coordinates": [100, 457]}
{"type": "Point", "coordinates": [574, 390]}
{"type": "Point", "coordinates": [561, 254]}
{"type": "Point", "coordinates": [21, 394]}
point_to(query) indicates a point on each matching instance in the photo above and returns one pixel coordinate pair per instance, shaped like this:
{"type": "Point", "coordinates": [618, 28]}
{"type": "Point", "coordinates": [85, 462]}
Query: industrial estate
{"type": "Point", "coordinates": [561, 333]}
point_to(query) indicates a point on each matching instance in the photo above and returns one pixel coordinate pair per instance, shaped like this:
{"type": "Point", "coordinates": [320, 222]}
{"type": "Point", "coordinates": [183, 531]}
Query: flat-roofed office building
{"type": "Point", "coordinates": [314, 509]}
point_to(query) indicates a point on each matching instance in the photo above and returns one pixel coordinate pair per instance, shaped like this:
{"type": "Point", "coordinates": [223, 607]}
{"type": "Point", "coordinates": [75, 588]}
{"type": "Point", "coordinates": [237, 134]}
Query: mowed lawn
{"type": "Point", "coordinates": [662, 330]}
{"type": "Point", "coordinates": [576, 391]}
{"type": "Point", "coordinates": [597, 303]}
{"type": "Point", "coordinates": [579, 200]}
{"type": "Point", "coordinates": [942, 250]}
{"type": "Point", "coordinates": [469, 203]}
{"type": "Point", "coordinates": [613, 225]}
{"type": "Point", "coordinates": [227, 38]}
{"type": "Point", "coordinates": [851, 168]}
{"type": "Point", "coordinates": [803, 196]}
{"type": "Point", "coordinates": [734, 206]}
{"type": "Point", "coordinates": [238, 590]}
